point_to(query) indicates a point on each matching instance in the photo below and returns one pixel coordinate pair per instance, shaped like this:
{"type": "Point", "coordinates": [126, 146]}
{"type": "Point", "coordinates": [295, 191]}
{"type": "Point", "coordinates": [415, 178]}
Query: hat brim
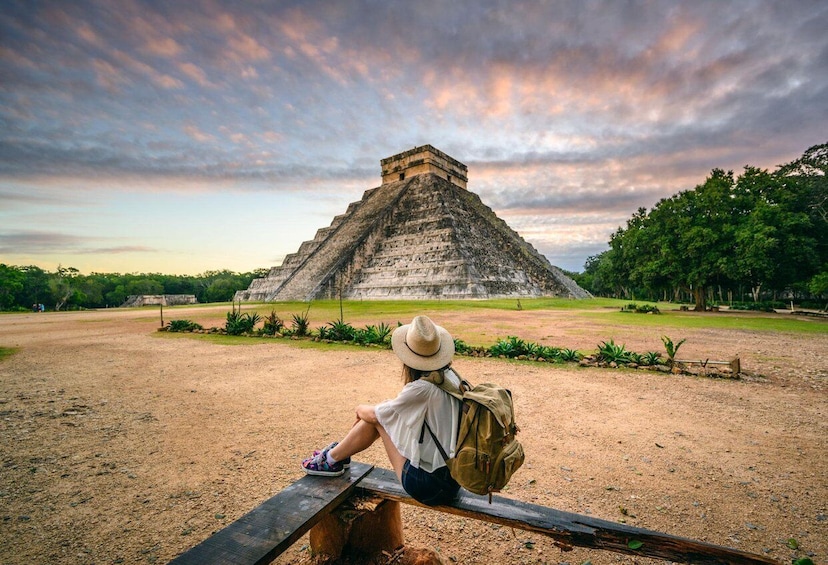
{"type": "Point", "coordinates": [439, 360]}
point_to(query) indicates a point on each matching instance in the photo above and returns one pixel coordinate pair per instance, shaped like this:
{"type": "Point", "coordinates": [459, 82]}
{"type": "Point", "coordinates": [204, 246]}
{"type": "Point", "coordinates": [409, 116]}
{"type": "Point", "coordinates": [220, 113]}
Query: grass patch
{"type": "Point", "coordinates": [601, 315]}
{"type": "Point", "coordinates": [741, 320]}
{"type": "Point", "coordinates": [406, 309]}
{"type": "Point", "coordinates": [232, 340]}
{"type": "Point", "coordinates": [219, 339]}
{"type": "Point", "coordinates": [7, 352]}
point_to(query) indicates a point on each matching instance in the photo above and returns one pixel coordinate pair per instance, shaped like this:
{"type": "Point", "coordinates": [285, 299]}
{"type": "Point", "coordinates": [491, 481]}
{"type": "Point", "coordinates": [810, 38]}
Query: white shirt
{"type": "Point", "coordinates": [403, 417]}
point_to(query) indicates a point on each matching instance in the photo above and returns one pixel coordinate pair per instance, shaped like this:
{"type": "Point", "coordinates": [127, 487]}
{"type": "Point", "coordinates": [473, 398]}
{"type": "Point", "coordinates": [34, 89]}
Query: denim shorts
{"type": "Point", "coordinates": [430, 489]}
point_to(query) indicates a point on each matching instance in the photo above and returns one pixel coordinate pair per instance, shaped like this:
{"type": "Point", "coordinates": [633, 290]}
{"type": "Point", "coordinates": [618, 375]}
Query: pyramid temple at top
{"type": "Point", "coordinates": [420, 235]}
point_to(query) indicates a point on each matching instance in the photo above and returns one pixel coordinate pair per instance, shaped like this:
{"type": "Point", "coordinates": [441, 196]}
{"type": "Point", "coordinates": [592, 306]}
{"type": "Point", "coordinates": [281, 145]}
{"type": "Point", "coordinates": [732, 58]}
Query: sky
{"type": "Point", "coordinates": [182, 137]}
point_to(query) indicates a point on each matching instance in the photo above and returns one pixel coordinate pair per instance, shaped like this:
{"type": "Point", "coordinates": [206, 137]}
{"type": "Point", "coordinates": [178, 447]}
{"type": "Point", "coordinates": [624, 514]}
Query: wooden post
{"type": "Point", "coordinates": [361, 526]}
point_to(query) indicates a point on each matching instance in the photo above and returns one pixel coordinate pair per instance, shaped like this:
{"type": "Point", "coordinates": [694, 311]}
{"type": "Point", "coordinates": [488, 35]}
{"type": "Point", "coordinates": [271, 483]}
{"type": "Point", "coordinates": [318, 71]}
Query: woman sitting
{"type": "Point", "coordinates": [426, 351]}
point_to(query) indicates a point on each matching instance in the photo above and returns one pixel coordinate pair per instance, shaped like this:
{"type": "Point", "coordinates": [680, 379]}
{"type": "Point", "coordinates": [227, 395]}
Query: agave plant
{"type": "Point", "coordinates": [651, 358]}
{"type": "Point", "coordinates": [183, 326]}
{"type": "Point", "coordinates": [376, 335]}
{"type": "Point", "coordinates": [273, 324]}
{"type": "Point", "coordinates": [636, 358]}
{"type": "Point", "coordinates": [672, 348]}
{"type": "Point", "coordinates": [533, 349]}
{"type": "Point", "coordinates": [300, 324]}
{"type": "Point", "coordinates": [341, 331]}
{"type": "Point", "coordinates": [550, 353]}
{"type": "Point", "coordinates": [238, 323]}
{"type": "Point", "coordinates": [609, 352]}
{"type": "Point", "coordinates": [383, 333]}
{"type": "Point", "coordinates": [461, 347]}
{"type": "Point", "coordinates": [504, 347]}
{"type": "Point", "coordinates": [569, 355]}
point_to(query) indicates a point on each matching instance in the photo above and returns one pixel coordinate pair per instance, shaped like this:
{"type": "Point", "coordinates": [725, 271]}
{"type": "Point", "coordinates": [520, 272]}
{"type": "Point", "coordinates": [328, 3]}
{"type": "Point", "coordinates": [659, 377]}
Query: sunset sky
{"type": "Point", "coordinates": [180, 137]}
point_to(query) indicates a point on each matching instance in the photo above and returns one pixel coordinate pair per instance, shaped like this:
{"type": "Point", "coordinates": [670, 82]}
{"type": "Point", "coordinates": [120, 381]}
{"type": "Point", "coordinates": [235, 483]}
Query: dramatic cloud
{"type": "Point", "coordinates": [570, 115]}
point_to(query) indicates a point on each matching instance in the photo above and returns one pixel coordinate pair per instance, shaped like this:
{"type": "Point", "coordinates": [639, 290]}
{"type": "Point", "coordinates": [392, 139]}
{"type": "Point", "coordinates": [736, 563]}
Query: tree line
{"type": "Point", "coordinates": [21, 288]}
{"type": "Point", "coordinates": [757, 236]}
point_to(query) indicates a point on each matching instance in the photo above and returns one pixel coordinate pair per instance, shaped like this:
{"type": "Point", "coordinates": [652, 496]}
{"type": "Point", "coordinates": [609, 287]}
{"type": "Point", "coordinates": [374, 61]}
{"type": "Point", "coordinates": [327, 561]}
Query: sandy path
{"type": "Point", "coordinates": [120, 445]}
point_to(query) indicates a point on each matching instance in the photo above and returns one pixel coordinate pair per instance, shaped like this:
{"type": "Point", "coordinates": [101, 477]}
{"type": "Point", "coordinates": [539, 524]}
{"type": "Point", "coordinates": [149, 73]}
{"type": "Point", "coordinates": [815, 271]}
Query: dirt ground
{"type": "Point", "coordinates": [121, 444]}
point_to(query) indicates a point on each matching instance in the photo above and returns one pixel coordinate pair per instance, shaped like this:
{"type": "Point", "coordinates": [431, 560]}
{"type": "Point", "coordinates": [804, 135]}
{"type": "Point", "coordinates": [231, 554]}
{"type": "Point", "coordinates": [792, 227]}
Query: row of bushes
{"type": "Point", "coordinates": [511, 347]}
{"type": "Point", "coordinates": [641, 309]}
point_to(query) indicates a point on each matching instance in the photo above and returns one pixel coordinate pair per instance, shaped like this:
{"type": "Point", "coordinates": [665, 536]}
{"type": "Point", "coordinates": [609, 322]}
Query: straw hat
{"type": "Point", "coordinates": [423, 345]}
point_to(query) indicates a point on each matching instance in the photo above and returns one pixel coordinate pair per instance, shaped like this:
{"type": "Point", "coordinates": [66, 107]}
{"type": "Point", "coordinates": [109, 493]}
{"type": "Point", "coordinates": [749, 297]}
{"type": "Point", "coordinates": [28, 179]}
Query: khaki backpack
{"type": "Point", "coordinates": [487, 452]}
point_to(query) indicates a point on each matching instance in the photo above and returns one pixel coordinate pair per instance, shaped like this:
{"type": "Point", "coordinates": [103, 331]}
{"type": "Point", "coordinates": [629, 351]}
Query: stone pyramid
{"type": "Point", "coordinates": [420, 235]}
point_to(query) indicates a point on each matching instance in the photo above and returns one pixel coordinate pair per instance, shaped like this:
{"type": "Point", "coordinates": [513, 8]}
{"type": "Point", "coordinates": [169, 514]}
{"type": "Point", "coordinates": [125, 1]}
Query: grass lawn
{"type": "Point", "coordinates": [6, 352]}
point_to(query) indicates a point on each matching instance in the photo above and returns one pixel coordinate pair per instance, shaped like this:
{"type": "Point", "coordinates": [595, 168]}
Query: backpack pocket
{"type": "Point", "coordinates": [469, 468]}
{"type": "Point", "coordinates": [479, 473]}
{"type": "Point", "coordinates": [508, 461]}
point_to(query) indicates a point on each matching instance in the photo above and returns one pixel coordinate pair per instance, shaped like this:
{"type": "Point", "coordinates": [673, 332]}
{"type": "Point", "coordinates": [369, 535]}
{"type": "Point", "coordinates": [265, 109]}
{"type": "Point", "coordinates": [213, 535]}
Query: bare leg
{"type": "Point", "coordinates": [360, 437]}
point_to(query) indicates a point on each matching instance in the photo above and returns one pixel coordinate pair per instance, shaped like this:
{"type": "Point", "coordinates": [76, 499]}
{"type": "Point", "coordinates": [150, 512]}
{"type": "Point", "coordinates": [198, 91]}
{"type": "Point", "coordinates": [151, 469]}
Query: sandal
{"type": "Point", "coordinates": [345, 462]}
{"type": "Point", "coordinates": [318, 465]}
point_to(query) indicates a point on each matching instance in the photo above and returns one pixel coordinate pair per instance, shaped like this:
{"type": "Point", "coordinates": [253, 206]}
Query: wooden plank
{"type": "Point", "coordinates": [262, 534]}
{"type": "Point", "coordinates": [569, 529]}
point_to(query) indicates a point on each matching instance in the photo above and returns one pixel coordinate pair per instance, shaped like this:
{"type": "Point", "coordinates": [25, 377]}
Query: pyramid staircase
{"type": "Point", "coordinates": [419, 238]}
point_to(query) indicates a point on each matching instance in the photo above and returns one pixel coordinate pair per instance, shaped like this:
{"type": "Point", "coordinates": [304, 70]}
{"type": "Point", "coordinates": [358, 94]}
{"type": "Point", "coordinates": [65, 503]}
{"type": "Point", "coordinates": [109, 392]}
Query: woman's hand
{"type": "Point", "coordinates": [366, 412]}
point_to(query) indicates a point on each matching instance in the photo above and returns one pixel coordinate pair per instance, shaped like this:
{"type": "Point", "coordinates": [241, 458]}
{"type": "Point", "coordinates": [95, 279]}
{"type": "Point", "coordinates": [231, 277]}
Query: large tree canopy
{"type": "Point", "coordinates": [763, 231]}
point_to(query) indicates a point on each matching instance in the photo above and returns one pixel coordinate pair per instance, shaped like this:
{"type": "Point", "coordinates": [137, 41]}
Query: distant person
{"type": "Point", "coordinates": [426, 351]}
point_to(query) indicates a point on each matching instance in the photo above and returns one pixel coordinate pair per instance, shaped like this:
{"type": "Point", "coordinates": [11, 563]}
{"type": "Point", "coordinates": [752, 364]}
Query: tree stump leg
{"type": "Point", "coordinates": [360, 526]}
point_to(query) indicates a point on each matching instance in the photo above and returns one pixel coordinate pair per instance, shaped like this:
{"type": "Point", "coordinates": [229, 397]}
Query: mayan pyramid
{"type": "Point", "coordinates": [420, 235]}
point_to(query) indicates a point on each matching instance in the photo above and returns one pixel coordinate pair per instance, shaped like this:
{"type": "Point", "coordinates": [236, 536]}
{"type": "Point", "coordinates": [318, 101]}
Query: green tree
{"type": "Point", "coordinates": [144, 285]}
{"type": "Point", "coordinates": [35, 286]}
{"type": "Point", "coordinates": [221, 289]}
{"type": "Point", "coordinates": [12, 281]}
{"type": "Point", "coordinates": [116, 296]}
{"type": "Point", "coordinates": [62, 285]}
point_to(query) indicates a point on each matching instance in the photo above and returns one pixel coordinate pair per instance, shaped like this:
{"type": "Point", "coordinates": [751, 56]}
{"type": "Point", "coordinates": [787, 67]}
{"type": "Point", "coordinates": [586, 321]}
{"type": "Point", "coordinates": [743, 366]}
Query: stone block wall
{"type": "Point", "coordinates": [422, 160]}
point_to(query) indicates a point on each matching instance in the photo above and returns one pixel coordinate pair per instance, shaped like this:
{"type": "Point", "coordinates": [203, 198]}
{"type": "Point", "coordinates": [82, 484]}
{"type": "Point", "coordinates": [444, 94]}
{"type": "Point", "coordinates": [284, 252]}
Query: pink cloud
{"type": "Point", "coordinates": [195, 133]}
{"type": "Point", "coordinates": [163, 47]}
{"type": "Point", "coordinates": [158, 78]}
{"type": "Point", "coordinates": [195, 73]}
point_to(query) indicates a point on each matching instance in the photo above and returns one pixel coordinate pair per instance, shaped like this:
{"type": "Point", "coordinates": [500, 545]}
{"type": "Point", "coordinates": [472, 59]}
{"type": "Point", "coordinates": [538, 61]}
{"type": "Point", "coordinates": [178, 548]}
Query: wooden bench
{"type": "Point", "coordinates": [261, 535]}
{"type": "Point", "coordinates": [265, 532]}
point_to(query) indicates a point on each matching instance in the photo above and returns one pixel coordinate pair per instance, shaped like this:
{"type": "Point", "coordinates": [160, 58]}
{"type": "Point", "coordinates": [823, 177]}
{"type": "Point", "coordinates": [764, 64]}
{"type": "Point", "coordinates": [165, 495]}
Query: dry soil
{"type": "Point", "coordinates": [121, 444]}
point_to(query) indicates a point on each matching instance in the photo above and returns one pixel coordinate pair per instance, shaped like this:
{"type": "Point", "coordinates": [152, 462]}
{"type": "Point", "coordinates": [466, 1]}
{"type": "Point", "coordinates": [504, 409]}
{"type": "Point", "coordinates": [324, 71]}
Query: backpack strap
{"type": "Point", "coordinates": [451, 390]}
{"type": "Point", "coordinates": [442, 451]}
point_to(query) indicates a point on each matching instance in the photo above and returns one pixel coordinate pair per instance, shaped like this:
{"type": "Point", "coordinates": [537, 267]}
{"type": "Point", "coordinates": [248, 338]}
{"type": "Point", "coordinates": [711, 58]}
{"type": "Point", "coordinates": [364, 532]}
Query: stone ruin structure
{"type": "Point", "coordinates": [158, 299]}
{"type": "Point", "coordinates": [420, 235]}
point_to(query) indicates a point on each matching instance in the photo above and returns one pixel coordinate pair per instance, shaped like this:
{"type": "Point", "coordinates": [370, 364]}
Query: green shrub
{"type": "Point", "coordinates": [374, 335]}
{"type": "Point", "coordinates": [609, 352]}
{"type": "Point", "coordinates": [513, 347]}
{"type": "Point", "coordinates": [643, 309]}
{"type": "Point", "coordinates": [671, 348]}
{"type": "Point", "coordinates": [461, 347]}
{"type": "Point", "coordinates": [238, 323]}
{"type": "Point", "coordinates": [510, 347]}
{"type": "Point", "coordinates": [569, 355]}
{"type": "Point", "coordinates": [183, 326]}
{"type": "Point", "coordinates": [550, 353]}
{"type": "Point", "coordinates": [273, 324]}
{"type": "Point", "coordinates": [300, 324]}
{"type": "Point", "coordinates": [341, 331]}
{"type": "Point", "coordinates": [765, 306]}
{"type": "Point", "coordinates": [651, 358]}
